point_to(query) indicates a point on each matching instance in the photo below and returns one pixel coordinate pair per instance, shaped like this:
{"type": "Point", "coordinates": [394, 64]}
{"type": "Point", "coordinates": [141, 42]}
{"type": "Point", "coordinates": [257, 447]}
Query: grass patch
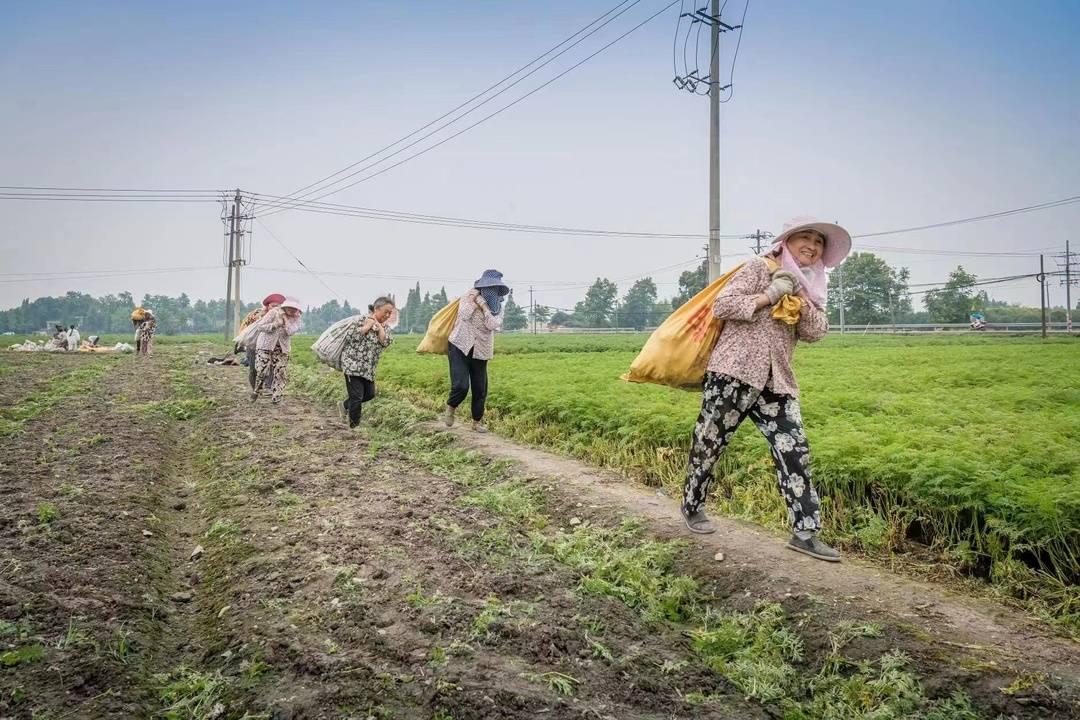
{"type": "Point", "coordinates": [22, 655]}
{"type": "Point", "coordinates": [75, 382]}
{"type": "Point", "coordinates": [619, 563]}
{"type": "Point", "coordinates": [47, 513]}
{"type": "Point", "coordinates": [961, 443]}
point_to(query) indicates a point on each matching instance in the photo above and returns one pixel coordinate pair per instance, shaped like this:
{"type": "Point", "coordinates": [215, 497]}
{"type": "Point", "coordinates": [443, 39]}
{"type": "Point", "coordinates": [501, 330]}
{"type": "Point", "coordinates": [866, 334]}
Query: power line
{"type": "Point", "coordinates": [298, 260]}
{"type": "Point", "coordinates": [957, 253]}
{"type": "Point", "coordinates": [738, 44]}
{"type": "Point", "coordinates": [115, 198]}
{"type": "Point", "coordinates": [976, 218]}
{"type": "Point", "coordinates": [472, 223]}
{"type": "Point", "coordinates": [552, 285]}
{"type": "Point", "coordinates": [99, 275]}
{"type": "Point", "coordinates": [108, 190]}
{"type": "Point", "coordinates": [468, 102]}
{"type": "Point", "coordinates": [490, 116]}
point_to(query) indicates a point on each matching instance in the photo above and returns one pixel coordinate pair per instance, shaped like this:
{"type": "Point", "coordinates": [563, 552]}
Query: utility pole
{"type": "Point", "coordinates": [758, 236]}
{"type": "Point", "coordinates": [1067, 262]}
{"type": "Point", "coordinates": [690, 83]}
{"type": "Point", "coordinates": [532, 309]}
{"type": "Point", "coordinates": [1042, 294]}
{"type": "Point", "coordinates": [714, 145]}
{"type": "Point", "coordinates": [843, 302]}
{"type": "Point", "coordinates": [228, 287]}
{"type": "Point", "coordinates": [238, 259]}
{"type": "Point", "coordinates": [1068, 289]}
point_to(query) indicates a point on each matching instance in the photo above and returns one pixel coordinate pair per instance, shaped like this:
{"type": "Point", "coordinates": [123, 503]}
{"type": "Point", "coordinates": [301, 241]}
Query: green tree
{"type": "Point", "coordinates": [540, 315]}
{"type": "Point", "coordinates": [691, 282]}
{"type": "Point", "coordinates": [598, 307]}
{"type": "Point", "coordinates": [875, 293]}
{"type": "Point", "coordinates": [954, 302]}
{"type": "Point", "coordinates": [514, 315]}
{"type": "Point", "coordinates": [639, 305]}
{"type": "Point", "coordinates": [562, 319]}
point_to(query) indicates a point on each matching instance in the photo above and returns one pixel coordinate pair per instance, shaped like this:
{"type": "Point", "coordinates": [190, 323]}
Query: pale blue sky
{"type": "Point", "coordinates": [878, 114]}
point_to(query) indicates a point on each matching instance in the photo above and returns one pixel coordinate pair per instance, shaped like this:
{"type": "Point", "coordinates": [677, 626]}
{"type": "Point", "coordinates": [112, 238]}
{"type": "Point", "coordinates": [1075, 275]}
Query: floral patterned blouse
{"type": "Point", "coordinates": [753, 347]}
{"type": "Point", "coordinates": [276, 331]}
{"type": "Point", "coordinates": [475, 327]}
{"type": "Point", "coordinates": [362, 351]}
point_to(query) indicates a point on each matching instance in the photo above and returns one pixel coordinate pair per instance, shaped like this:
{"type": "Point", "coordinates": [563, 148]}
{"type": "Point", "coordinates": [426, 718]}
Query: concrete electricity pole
{"type": "Point", "coordinates": [1067, 262]}
{"type": "Point", "coordinates": [228, 286]}
{"type": "Point", "coordinates": [238, 260]}
{"type": "Point", "coordinates": [714, 145]}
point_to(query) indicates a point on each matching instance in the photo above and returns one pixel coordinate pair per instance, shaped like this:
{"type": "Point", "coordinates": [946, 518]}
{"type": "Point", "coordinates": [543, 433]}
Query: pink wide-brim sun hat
{"type": "Point", "coordinates": [837, 239]}
{"type": "Point", "coordinates": [291, 303]}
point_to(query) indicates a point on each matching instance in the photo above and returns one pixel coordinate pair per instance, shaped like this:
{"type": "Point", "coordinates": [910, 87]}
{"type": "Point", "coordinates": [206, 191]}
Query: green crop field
{"type": "Point", "coordinates": [968, 444]}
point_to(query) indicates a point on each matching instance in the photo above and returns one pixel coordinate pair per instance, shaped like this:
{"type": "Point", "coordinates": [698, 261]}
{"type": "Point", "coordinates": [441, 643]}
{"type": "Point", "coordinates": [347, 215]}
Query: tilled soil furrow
{"type": "Point", "coordinates": [355, 600]}
{"type": "Point", "coordinates": [85, 534]}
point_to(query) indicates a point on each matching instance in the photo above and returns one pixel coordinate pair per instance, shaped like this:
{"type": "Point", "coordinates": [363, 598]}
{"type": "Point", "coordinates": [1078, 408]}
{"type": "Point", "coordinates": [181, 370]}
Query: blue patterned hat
{"type": "Point", "coordinates": [492, 279]}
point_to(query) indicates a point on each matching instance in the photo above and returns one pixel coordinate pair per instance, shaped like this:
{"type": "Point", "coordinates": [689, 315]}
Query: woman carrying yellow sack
{"type": "Point", "coordinates": [749, 374]}
{"type": "Point", "coordinates": [472, 344]}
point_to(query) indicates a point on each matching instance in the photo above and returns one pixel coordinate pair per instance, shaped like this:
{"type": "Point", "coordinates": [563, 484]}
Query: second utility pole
{"type": "Point", "coordinates": [714, 145]}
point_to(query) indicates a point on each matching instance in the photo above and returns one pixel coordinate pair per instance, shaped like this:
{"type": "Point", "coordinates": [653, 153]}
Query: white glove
{"type": "Point", "coordinates": [780, 286]}
{"type": "Point", "coordinates": [790, 276]}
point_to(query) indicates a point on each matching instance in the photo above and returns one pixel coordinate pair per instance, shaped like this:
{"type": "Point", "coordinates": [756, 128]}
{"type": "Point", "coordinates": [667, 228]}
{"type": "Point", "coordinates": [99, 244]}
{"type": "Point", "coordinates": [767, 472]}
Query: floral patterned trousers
{"type": "Point", "coordinates": [726, 402]}
{"type": "Point", "coordinates": [270, 367]}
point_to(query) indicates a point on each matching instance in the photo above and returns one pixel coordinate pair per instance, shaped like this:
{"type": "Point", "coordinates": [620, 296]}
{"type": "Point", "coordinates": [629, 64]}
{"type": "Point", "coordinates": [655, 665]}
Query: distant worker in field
{"type": "Point", "coordinates": [472, 344]}
{"type": "Point", "coordinates": [269, 303]}
{"type": "Point", "coordinates": [749, 374]}
{"type": "Point", "coordinates": [73, 339]}
{"type": "Point", "coordinates": [364, 343]}
{"type": "Point", "coordinates": [144, 333]}
{"type": "Point", "coordinates": [272, 349]}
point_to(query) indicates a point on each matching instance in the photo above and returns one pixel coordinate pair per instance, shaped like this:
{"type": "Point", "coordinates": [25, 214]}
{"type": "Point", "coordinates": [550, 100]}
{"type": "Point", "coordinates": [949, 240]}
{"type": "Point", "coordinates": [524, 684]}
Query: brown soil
{"type": "Point", "coordinates": [340, 578]}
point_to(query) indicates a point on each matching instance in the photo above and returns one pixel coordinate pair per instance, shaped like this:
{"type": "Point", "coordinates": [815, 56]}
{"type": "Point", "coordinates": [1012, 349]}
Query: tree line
{"type": "Point", "coordinates": [875, 293]}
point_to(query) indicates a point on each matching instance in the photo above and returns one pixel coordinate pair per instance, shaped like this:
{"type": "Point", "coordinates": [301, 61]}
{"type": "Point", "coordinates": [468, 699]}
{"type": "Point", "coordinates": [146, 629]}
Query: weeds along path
{"type": "Point", "coordinates": [88, 540]}
{"type": "Point", "coordinates": [755, 558]}
{"type": "Point", "coordinates": [394, 572]}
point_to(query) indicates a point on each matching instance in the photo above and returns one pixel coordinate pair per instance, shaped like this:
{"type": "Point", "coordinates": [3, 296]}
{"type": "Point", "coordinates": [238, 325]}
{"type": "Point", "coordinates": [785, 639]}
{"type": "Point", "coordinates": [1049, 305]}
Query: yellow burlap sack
{"type": "Point", "coordinates": [437, 338]}
{"type": "Point", "coordinates": [787, 310]}
{"type": "Point", "coordinates": [678, 351]}
{"type": "Point", "coordinates": [138, 315]}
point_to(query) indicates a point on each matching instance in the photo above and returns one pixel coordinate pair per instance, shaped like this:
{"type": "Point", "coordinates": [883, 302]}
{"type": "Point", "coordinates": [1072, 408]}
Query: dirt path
{"type": "Point", "coordinates": [757, 558]}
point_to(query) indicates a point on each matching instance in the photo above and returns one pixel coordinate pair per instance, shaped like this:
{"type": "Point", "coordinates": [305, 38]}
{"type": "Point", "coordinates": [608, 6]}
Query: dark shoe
{"type": "Point", "coordinates": [479, 427]}
{"type": "Point", "coordinates": [814, 547]}
{"type": "Point", "coordinates": [448, 416]}
{"type": "Point", "coordinates": [698, 522]}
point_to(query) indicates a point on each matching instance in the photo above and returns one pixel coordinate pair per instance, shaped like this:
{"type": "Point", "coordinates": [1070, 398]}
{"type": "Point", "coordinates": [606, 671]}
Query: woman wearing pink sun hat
{"type": "Point", "coordinates": [749, 374]}
{"type": "Point", "coordinates": [272, 349]}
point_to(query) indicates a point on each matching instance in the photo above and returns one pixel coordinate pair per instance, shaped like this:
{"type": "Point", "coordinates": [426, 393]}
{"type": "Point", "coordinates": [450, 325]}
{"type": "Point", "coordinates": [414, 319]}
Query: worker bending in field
{"type": "Point", "coordinates": [749, 374]}
{"type": "Point", "coordinates": [472, 344]}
